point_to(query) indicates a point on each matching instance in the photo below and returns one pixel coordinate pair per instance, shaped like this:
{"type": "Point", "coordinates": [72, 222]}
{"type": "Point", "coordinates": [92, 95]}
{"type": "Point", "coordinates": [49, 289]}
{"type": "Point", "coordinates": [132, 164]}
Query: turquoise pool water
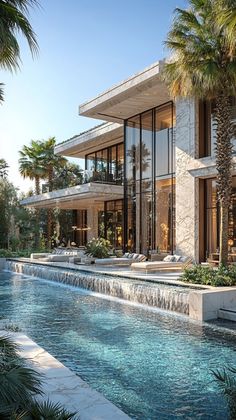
{"type": "Point", "coordinates": [153, 365]}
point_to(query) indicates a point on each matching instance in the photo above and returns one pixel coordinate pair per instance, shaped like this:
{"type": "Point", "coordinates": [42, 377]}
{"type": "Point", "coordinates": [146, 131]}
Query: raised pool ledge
{"type": "Point", "coordinates": [205, 304]}
{"type": "Point", "coordinates": [152, 294]}
{"type": "Point", "coordinates": [61, 385]}
{"type": "Point", "coordinates": [201, 303]}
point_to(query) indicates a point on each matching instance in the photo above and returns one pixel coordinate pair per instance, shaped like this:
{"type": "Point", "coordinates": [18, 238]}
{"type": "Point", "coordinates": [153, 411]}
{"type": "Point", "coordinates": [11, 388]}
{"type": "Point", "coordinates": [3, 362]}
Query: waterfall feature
{"type": "Point", "coordinates": [168, 297]}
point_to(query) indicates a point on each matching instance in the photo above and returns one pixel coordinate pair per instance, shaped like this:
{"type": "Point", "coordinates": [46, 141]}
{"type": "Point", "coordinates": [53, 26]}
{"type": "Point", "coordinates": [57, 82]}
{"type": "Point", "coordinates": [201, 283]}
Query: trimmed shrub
{"type": "Point", "coordinates": [218, 277]}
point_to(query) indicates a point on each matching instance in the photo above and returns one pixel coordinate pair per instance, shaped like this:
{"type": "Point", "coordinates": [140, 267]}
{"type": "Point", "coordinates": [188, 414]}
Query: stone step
{"type": "Point", "coordinates": [229, 314]}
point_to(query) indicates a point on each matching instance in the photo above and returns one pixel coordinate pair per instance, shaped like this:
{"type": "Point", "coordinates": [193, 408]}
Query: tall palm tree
{"type": "Point", "coordinates": [204, 66]}
{"type": "Point", "coordinates": [30, 166]}
{"type": "Point", "coordinates": [51, 162]}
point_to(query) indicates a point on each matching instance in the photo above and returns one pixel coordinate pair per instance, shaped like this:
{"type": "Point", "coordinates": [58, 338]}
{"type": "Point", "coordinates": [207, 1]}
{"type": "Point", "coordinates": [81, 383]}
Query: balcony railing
{"type": "Point", "coordinates": [87, 176]}
{"type": "Point", "coordinates": [102, 177]}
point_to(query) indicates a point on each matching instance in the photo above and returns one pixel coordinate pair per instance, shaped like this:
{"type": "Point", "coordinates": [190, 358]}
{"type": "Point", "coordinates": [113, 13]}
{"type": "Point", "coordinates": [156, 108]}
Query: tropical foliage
{"type": "Point", "coordinates": [31, 163]}
{"type": "Point", "coordinates": [8, 200]}
{"type": "Point", "coordinates": [19, 384]}
{"type": "Point", "coordinates": [203, 65]}
{"type": "Point", "coordinates": [98, 248]}
{"type": "Point", "coordinates": [14, 21]}
{"type": "Point", "coordinates": [223, 276]}
{"type": "Point", "coordinates": [39, 162]}
{"type": "Point", "coordinates": [226, 379]}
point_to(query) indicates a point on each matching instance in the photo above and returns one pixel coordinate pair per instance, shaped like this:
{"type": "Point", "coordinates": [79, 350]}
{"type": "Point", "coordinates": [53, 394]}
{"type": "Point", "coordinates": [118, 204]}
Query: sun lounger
{"type": "Point", "coordinates": [59, 255]}
{"type": "Point", "coordinates": [127, 259]}
{"type": "Point", "coordinates": [161, 265]}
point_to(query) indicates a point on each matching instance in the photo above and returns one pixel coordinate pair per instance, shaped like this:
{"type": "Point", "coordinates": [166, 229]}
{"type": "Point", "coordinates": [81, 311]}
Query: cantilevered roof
{"type": "Point", "coordinates": [78, 197]}
{"type": "Point", "coordinates": [96, 138]}
{"type": "Point", "coordinates": [141, 92]}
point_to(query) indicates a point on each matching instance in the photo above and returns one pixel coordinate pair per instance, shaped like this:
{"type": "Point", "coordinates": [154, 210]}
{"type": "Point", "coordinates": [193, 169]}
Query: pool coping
{"type": "Point", "coordinates": [62, 385]}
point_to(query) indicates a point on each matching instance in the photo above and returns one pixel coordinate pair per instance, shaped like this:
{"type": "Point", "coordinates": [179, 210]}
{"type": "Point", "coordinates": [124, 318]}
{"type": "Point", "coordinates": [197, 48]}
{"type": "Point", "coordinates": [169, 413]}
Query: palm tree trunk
{"type": "Point", "coordinates": [224, 218]}
{"type": "Point", "coordinates": [224, 134]}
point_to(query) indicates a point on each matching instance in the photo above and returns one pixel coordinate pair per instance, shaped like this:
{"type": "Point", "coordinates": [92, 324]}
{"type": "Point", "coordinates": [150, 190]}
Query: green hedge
{"type": "Point", "coordinates": [6, 253]}
{"type": "Point", "coordinates": [218, 277]}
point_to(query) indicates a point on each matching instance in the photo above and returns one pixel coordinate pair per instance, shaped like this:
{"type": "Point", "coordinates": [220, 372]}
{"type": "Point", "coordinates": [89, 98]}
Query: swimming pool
{"type": "Point", "coordinates": [153, 365]}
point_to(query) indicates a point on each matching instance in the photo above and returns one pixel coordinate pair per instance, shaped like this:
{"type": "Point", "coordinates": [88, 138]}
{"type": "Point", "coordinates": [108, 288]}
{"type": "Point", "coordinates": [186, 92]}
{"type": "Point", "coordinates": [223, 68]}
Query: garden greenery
{"type": "Point", "coordinates": [19, 384]}
{"type": "Point", "coordinates": [226, 379]}
{"type": "Point", "coordinates": [98, 248]}
{"type": "Point", "coordinates": [222, 276]}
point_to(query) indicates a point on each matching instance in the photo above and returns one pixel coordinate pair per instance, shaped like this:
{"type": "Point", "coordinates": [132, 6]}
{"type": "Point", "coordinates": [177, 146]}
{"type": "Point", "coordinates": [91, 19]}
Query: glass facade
{"type": "Point", "coordinates": [212, 217]}
{"type": "Point", "coordinates": [106, 165]}
{"type": "Point", "coordinates": [149, 181]}
{"type": "Point", "coordinates": [110, 223]}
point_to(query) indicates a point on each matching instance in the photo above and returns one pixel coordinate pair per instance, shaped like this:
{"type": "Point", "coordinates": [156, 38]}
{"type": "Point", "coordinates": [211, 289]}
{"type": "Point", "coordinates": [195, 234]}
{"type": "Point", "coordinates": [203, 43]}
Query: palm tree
{"type": "Point", "coordinates": [51, 162]}
{"type": "Point", "coordinates": [30, 166]}
{"type": "Point", "coordinates": [204, 66]}
{"type": "Point", "coordinates": [14, 21]}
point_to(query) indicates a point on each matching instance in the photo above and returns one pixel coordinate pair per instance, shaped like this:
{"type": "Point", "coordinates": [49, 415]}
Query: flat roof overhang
{"type": "Point", "coordinates": [78, 197]}
{"type": "Point", "coordinates": [143, 91]}
{"type": "Point", "coordinates": [97, 138]}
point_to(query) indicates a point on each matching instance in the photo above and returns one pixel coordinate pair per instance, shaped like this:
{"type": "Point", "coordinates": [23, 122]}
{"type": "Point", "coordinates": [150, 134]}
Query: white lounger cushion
{"type": "Point", "coordinates": [160, 265]}
{"type": "Point", "coordinates": [122, 260]}
{"type": "Point", "coordinates": [115, 261]}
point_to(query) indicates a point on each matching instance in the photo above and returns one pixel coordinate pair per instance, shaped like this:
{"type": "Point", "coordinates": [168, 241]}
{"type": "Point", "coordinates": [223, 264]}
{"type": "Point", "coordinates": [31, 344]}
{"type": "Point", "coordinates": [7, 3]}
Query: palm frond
{"type": "Point", "coordinates": [227, 384]}
{"type": "Point", "coordinates": [1, 92]}
{"type": "Point", "coordinates": [50, 411]}
{"type": "Point", "coordinates": [13, 20]}
{"type": "Point", "coordinates": [18, 384]}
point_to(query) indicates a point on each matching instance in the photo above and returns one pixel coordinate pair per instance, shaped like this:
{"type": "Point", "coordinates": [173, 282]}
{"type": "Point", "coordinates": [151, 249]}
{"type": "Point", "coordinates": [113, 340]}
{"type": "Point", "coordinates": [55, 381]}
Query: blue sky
{"type": "Point", "coordinates": [85, 47]}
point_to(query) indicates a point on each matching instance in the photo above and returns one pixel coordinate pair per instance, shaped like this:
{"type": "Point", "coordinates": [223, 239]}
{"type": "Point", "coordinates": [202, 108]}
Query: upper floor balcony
{"type": "Point", "coordinates": [102, 177]}
{"type": "Point", "coordinates": [87, 176]}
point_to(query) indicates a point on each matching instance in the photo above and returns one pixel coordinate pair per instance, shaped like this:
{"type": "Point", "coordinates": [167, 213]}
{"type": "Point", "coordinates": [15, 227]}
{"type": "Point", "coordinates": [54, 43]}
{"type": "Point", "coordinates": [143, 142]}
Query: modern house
{"type": "Point", "coordinates": [150, 177]}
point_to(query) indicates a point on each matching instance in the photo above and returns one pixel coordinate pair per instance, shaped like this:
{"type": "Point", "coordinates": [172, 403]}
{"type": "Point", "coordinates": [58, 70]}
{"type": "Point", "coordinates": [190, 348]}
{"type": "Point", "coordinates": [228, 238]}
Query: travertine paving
{"type": "Point", "coordinates": [64, 386]}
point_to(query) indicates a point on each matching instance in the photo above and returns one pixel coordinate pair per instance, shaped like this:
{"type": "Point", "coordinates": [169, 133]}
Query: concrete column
{"type": "Point", "coordinates": [187, 188]}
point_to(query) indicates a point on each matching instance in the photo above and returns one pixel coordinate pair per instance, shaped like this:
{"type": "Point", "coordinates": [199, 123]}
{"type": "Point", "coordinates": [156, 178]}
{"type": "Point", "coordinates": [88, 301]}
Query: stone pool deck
{"type": "Point", "coordinates": [62, 385]}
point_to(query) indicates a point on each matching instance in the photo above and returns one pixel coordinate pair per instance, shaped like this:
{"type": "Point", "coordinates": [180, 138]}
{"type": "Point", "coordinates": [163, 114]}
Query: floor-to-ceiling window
{"type": "Point", "coordinates": [149, 181]}
{"type": "Point", "coordinates": [106, 165]}
{"type": "Point", "coordinates": [110, 223]}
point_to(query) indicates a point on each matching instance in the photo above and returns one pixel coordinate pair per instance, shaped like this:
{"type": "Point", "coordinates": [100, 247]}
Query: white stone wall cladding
{"type": "Point", "coordinates": [92, 221]}
{"type": "Point", "coordinates": [187, 219]}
